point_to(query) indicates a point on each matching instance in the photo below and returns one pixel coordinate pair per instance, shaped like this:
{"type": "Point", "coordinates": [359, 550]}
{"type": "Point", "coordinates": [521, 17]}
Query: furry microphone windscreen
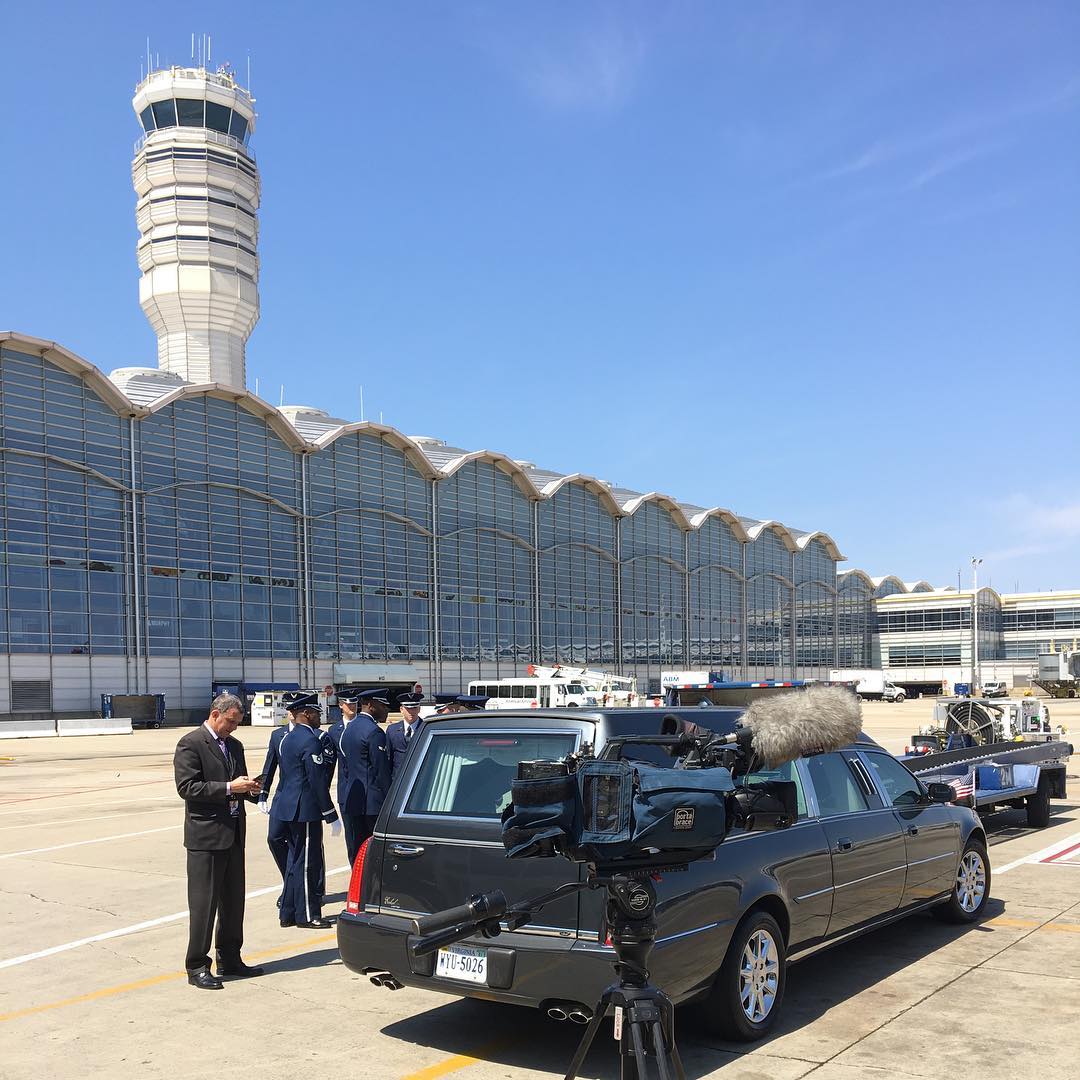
{"type": "Point", "coordinates": [819, 718]}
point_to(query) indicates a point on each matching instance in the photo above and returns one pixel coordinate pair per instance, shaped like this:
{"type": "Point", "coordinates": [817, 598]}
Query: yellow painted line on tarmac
{"type": "Point", "coordinates": [1031, 924]}
{"type": "Point", "coordinates": [455, 1063]}
{"type": "Point", "coordinates": [154, 980]}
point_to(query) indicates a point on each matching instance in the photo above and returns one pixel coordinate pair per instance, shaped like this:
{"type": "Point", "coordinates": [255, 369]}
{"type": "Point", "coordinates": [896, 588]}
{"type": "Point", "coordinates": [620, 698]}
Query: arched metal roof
{"type": "Point", "coordinates": [597, 487]}
{"type": "Point", "coordinates": [829, 543]}
{"type": "Point", "coordinates": [391, 435]}
{"type": "Point", "coordinates": [67, 361]}
{"type": "Point", "coordinates": [631, 507]}
{"type": "Point", "coordinates": [859, 574]}
{"type": "Point", "coordinates": [507, 464]}
{"type": "Point", "coordinates": [777, 527]}
{"type": "Point", "coordinates": [433, 458]}
{"type": "Point", "coordinates": [727, 516]}
{"type": "Point", "coordinates": [244, 399]}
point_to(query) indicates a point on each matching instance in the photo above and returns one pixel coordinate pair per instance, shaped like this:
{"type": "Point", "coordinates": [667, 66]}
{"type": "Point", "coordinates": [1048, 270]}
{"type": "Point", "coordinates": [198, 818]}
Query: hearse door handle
{"type": "Point", "coordinates": [913, 830]}
{"type": "Point", "coordinates": [406, 851]}
{"type": "Point", "coordinates": [843, 844]}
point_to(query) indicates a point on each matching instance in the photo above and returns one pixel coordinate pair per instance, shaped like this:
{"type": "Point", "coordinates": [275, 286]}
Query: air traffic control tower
{"type": "Point", "coordinates": [198, 193]}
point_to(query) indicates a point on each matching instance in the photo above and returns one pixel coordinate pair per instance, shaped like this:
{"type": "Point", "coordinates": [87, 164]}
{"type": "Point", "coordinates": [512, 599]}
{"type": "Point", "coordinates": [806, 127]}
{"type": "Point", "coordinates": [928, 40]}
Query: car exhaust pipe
{"type": "Point", "coordinates": [557, 1012]}
{"type": "Point", "coordinates": [580, 1016]}
{"type": "Point", "coordinates": [384, 978]}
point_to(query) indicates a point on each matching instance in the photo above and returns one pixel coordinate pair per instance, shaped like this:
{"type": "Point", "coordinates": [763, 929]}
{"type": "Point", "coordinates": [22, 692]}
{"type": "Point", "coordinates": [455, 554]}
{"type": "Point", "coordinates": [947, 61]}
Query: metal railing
{"type": "Point", "coordinates": [225, 79]}
{"type": "Point", "coordinates": [203, 134]}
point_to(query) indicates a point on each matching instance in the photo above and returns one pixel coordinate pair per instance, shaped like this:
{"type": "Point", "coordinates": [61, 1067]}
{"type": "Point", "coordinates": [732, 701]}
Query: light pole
{"type": "Point", "coordinates": [974, 623]}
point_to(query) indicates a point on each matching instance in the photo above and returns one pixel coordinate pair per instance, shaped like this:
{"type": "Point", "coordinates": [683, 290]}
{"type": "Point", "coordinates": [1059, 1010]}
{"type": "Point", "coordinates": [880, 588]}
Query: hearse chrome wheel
{"type": "Point", "coordinates": [971, 881]}
{"type": "Point", "coordinates": [759, 975]}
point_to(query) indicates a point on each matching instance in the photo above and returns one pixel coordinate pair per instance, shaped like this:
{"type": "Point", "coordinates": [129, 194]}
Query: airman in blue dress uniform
{"type": "Point", "coordinates": [348, 699]}
{"type": "Point", "coordinates": [401, 733]}
{"type": "Point", "coordinates": [302, 804]}
{"type": "Point", "coordinates": [367, 764]}
{"type": "Point", "coordinates": [277, 831]}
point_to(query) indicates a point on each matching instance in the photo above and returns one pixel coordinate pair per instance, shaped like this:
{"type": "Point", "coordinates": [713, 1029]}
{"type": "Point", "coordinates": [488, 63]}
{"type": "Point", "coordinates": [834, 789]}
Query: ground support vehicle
{"type": "Point", "coordinates": [605, 686]}
{"type": "Point", "coordinates": [1000, 776]}
{"type": "Point", "coordinates": [871, 844]}
{"type": "Point", "coordinates": [869, 683]}
{"type": "Point", "coordinates": [977, 721]}
{"type": "Point", "coordinates": [1059, 673]}
{"type": "Point", "coordinates": [532, 693]}
{"type": "Point", "coordinates": [716, 691]}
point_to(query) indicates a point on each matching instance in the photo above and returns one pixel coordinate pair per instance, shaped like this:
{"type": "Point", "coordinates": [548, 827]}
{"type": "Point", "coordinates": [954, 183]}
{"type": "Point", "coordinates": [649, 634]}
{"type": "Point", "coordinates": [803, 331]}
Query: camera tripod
{"type": "Point", "coordinates": [644, 1014]}
{"type": "Point", "coordinates": [647, 1028]}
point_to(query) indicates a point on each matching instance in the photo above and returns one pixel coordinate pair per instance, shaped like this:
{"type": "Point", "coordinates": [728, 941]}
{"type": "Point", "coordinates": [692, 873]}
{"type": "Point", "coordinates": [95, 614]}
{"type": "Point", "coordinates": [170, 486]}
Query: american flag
{"type": "Point", "coordinates": [964, 786]}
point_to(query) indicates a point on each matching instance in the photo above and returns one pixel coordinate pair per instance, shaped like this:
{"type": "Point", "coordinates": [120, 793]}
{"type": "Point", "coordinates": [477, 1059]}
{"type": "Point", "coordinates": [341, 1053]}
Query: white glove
{"type": "Point", "coordinates": [264, 806]}
{"type": "Point", "coordinates": [335, 827]}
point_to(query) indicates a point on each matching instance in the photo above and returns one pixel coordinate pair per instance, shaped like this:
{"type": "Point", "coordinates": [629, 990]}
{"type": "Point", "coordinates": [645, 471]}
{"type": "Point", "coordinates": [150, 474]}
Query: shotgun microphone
{"type": "Point", "coordinates": [784, 726]}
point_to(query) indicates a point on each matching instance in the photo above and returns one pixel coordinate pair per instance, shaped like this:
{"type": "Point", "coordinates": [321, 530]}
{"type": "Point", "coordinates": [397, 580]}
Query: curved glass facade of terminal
{"type": "Point", "coordinates": [249, 544]}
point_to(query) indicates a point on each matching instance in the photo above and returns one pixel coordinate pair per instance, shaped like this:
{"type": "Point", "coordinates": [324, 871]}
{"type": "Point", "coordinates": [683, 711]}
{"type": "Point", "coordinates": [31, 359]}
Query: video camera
{"type": "Point", "coordinates": [626, 815]}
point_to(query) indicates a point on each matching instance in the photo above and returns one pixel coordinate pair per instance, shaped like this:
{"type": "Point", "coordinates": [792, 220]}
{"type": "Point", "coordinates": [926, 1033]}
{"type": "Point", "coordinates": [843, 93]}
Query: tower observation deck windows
{"type": "Point", "coordinates": [217, 117]}
{"type": "Point", "coordinates": [189, 112]}
{"type": "Point", "coordinates": [194, 113]}
{"type": "Point", "coordinates": [164, 113]}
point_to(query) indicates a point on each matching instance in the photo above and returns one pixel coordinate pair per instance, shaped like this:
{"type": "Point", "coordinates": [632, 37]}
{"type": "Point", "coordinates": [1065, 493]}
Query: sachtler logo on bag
{"type": "Point", "coordinates": [684, 818]}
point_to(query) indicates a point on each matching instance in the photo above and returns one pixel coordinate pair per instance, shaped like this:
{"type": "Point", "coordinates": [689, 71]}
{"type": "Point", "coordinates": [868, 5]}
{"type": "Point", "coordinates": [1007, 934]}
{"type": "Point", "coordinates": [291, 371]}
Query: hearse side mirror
{"type": "Point", "coordinates": [942, 793]}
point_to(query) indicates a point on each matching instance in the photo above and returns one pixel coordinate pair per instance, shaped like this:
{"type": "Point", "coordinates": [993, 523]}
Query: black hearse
{"type": "Point", "coordinates": [871, 844]}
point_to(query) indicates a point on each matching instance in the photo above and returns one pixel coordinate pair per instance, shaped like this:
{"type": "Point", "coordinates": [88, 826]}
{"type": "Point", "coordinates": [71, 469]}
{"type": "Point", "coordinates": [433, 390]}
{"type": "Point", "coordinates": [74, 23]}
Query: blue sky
{"type": "Point", "coordinates": [816, 262]}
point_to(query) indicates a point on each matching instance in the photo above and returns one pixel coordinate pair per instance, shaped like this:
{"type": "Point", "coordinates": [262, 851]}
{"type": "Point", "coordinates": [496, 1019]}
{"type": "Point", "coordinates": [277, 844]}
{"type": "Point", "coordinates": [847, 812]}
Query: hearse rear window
{"type": "Point", "coordinates": [469, 775]}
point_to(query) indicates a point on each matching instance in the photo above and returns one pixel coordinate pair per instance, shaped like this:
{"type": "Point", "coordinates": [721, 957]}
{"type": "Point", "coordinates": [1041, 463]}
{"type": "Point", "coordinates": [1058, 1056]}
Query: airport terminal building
{"type": "Point", "coordinates": [164, 530]}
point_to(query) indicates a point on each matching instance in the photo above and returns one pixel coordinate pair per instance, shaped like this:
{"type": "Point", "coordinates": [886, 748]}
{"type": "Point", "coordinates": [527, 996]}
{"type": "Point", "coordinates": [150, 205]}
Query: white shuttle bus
{"type": "Point", "coordinates": [533, 693]}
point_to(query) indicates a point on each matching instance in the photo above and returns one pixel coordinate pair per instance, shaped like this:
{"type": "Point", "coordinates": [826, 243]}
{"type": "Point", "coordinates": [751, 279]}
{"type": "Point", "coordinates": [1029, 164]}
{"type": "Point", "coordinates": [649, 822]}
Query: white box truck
{"type": "Point", "coordinates": [870, 683]}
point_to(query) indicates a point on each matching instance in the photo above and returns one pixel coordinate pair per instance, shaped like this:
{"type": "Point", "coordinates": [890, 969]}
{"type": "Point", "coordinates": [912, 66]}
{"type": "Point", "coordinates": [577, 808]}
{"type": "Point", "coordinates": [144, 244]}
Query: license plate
{"type": "Point", "coordinates": [462, 962]}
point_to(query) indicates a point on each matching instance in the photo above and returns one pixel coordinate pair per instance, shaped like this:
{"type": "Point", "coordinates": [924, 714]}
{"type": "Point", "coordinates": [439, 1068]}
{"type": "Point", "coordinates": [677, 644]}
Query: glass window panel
{"type": "Point", "coordinates": [164, 113]}
{"type": "Point", "coordinates": [189, 112]}
{"type": "Point", "coordinates": [218, 116]}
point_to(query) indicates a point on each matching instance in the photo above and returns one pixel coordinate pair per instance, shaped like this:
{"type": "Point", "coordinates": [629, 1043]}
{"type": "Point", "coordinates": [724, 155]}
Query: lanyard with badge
{"type": "Point", "coordinates": [234, 801]}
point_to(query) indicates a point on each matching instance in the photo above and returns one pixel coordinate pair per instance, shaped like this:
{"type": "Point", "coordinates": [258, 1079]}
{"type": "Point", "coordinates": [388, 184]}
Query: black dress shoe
{"type": "Point", "coordinates": [287, 922]}
{"type": "Point", "coordinates": [239, 969]}
{"type": "Point", "coordinates": [204, 980]}
{"type": "Point", "coordinates": [316, 924]}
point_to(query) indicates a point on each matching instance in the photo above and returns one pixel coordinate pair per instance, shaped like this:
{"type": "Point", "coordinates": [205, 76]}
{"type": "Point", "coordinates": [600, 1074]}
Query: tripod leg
{"type": "Point", "coordinates": [587, 1039]}
{"type": "Point", "coordinates": [639, 1071]}
{"type": "Point", "coordinates": [667, 1033]}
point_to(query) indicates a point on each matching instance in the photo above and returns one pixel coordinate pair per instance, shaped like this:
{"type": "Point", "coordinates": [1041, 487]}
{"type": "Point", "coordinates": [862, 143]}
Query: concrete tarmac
{"type": "Point", "coordinates": [93, 930]}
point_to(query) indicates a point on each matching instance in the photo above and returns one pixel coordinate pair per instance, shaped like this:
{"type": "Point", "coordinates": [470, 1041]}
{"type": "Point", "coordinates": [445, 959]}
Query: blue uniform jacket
{"type": "Point", "coordinates": [270, 765]}
{"type": "Point", "coordinates": [363, 752]}
{"type": "Point", "coordinates": [336, 731]}
{"type": "Point", "coordinates": [397, 745]}
{"type": "Point", "coordinates": [303, 793]}
{"type": "Point", "coordinates": [329, 755]}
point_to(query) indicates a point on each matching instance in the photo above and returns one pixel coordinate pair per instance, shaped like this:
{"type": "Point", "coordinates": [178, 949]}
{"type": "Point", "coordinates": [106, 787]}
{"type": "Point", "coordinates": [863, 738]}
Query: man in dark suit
{"type": "Point", "coordinates": [401, 733]}
{"type": "Point", "coordinates": [363, 753]}
{"type": "Point", "coordinates": [211, 778]}
{"type": "Point", "coordinates": [302, 804]}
